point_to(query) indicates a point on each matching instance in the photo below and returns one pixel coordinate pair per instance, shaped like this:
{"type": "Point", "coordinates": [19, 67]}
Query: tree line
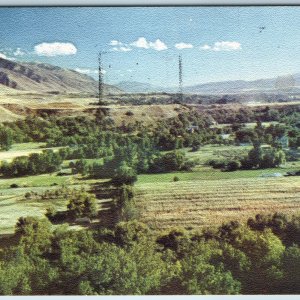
{"type": "Point", "coordinates": [260, 257]}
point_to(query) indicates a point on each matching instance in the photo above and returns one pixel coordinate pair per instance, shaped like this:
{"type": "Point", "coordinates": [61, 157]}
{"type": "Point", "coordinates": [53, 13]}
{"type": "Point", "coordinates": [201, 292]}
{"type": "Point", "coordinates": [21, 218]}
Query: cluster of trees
{"type": "Point", "coordinates": [262, 257]}
{"type": "Point", "coordinates": [46, 162]}
{"type": "Point", "coordinates": [257, 158]}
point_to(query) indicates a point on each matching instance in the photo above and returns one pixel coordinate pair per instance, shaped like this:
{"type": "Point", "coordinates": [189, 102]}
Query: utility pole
{"type": "Point", "coordinates": [101, 85]}
{"type": "Point", "coordinates": [180, 78]}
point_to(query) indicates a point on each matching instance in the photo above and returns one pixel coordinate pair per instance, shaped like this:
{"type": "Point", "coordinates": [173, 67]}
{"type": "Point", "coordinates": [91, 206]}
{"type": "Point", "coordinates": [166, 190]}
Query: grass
{"type": "Point", "coordinates": [200, 198]}
{"type": "Point", "coordinates": [207, 152]}
{"type": "Point", "coordinates": [201, 203]}
{"type": "Point", "coordinates": [23, 149]}
{"type": "Point", "coordinates": [208, 197]}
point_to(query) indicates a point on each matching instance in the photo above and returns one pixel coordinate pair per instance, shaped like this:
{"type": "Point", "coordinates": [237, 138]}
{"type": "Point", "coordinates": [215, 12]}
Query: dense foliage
{"type": "Point", "coordinates": [260, 258]}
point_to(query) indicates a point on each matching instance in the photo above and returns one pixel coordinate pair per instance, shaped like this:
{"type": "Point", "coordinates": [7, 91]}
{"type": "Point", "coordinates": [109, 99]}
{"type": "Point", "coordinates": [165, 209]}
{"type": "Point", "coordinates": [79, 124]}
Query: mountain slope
{"type": "Point", "coordinates": [291, 82]}
{"type": "Point", "coordinates": [37, 77]}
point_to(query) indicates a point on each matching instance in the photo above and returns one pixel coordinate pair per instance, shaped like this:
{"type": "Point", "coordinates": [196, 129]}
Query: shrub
{"type": "Point", "coordinates": [129, 113]}
{"type": "Point", "coordinates": [233, 165]}
{"type": "Point", "coordinates": [175, 178]}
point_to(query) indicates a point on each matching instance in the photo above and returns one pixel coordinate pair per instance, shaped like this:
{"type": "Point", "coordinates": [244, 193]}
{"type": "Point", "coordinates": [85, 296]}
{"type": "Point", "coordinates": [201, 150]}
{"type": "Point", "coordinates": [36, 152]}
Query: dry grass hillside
{"type": "Point", "coordinates": [47, 78]}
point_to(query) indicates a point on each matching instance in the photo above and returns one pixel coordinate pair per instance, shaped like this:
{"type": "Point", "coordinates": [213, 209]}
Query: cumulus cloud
{"type": "Point", "coordinates": [55, 49]}
{"type": "Point", "coordinates": [3, 56]}
{"type": "Point", "coordinates": [141, 43]}
{"type": "Point", "coordinates": [19, 52]}
{"type": "Point", "coordinates": [223, 46]}
{"type": "Point", "coordinates": [115, 43]}
{"type": "Point", "coordinates": [183, 46]}
{"type": "Point", "coordinates": [157, 45]}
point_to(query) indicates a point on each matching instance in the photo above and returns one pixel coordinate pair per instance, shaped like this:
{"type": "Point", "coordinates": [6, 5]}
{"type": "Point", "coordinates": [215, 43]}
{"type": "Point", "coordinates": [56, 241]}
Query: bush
{"type": "Point", "coordinates": [233, 165]}
{"type": "Point", "coordinates": [14, 185]}
{"type": "Point", "coordinates": [82, 204]}
{"type": "Point", "coordinates": [175, 178]}
{"type": "Point", "coordinates": [129, 113]}
{"type": "Point", "coordinates": [124, 175]}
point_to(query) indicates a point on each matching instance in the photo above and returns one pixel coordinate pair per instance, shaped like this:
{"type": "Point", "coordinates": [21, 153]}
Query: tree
{"type": "Point", "coordinates": [291, 270]}
{"type": "Point", "coordinates": [80, 166]}
{"type": "Point", "coordinates": [35, 235]}
{"type": "Point", "coordinates": [202, 277]}
{"type": "Point", "coordinates": [124, 175]}
{"type": "Point", "coordinates": [82, 204]}
{"type": "Point", "coordinates": [6, 138]}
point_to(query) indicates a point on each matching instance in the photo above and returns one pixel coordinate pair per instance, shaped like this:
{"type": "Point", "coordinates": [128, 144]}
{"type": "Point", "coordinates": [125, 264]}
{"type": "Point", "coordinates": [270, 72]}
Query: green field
{"type": "Point", "coordinates": [209, 197]}
{"type": "Point", "coordinates": [201, 197]}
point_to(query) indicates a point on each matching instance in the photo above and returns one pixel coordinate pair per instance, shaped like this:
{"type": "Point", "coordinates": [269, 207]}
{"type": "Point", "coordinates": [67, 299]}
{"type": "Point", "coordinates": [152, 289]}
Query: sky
{"type": "Point", "coordinates": [143, 43]}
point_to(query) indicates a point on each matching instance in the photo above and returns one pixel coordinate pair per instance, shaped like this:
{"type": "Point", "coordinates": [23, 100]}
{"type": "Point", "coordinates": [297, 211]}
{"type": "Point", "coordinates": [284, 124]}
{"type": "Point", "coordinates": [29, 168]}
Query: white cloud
{"type": "Point", "coordinates": [89, 71]}
{"type": "Point", "coordinates": [158, 45]}
{"type": "Point", "coordinates": [55, 49]}
{"type": "Point", "coordinates": [19, 52]}
{"type": "Point", "coordinates": [223, 46]}
{"type": "Point", "coordinates": [205, 47]}
{"type": "Point", "coordinates": [115, 43]}
{"type": "Point", "coordinates": [3, 56]}
{"type": "Point", "coordinates": [124, 49]}
{"type": "Point", "coordinates": [183, 46]}
{"type": "Point", "coordinates": [141, 42]}
{"type": "Point", "coordinates": [121, 49]}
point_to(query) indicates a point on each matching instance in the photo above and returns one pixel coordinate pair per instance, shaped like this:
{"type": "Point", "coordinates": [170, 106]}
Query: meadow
{"type": "Point", "coordinates": [202, 197]}
{"type": "Point", "coordinates": [208, 197]}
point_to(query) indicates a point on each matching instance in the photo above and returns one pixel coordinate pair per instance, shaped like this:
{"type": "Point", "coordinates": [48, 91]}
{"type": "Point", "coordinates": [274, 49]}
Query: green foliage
{"type": "Point", "coordinates": [35, 235]}
{"type": "Point", "coordinates": [46, 162]}
{"type": "Point", "coordinates": [82, 204]}
{"type": "Point", "coordinates": [124, 175]}
{"type": "Point", "coordinates": [201, 276]}
{"type": "Point", "coordinates": [6, 138]}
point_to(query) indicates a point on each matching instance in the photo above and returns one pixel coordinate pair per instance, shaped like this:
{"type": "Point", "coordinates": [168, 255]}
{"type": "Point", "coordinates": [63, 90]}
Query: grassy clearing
{"type": "Point", "coordinates": [23, 149]}
{"type": "Point", "coordinates": [208, 152]}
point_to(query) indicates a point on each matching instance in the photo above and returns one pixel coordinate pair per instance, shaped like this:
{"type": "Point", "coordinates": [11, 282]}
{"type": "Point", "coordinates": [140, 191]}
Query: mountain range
{"type": "Point", "coordinates": [38, 77]}
{"type": "Point", "coordinates": [271, 85]}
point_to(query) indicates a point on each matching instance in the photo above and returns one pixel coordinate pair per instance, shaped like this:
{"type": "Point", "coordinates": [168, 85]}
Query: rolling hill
{"type": "Point", "coordinates": [270, 85]}
{"type": "Point", "coordinates": [37, 77]}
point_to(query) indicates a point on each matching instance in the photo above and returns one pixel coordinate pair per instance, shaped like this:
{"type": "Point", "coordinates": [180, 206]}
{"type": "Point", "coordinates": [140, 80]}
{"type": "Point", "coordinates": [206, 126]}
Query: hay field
{"type": "Point", "coordinates": [201, 203]}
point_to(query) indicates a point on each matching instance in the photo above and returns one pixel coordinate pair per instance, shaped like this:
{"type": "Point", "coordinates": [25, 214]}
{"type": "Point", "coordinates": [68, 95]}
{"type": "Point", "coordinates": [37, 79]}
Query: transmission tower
{"type": "Point", "coordinates": [180, 78]}
{"type": "Point", "coordinates": [101, 85]}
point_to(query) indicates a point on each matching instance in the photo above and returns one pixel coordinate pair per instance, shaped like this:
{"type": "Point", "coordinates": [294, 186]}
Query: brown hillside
{"type": "Point", "coordinates": [47, 78]}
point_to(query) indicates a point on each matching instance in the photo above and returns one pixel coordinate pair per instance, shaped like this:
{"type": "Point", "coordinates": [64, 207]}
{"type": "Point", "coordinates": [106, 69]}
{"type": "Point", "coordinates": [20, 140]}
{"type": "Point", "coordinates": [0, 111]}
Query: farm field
{"type": "Point", "coordinates": [199, 203]}
{"type": "Point", "coordinates": [200, 198]}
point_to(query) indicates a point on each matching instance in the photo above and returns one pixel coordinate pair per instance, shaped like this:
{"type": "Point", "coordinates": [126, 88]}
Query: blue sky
{"type": "Point", "coordinates": [143, 43]}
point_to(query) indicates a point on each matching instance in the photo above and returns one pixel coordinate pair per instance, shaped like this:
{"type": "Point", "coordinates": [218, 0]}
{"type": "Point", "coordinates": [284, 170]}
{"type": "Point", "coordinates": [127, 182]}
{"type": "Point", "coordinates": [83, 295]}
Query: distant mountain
{"type": "Point", "coordinates": [280, 83]}
{"type": "Point", "coordinates": [37, 77]}
{"type": "Point", "coordinates": [140, 87]}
